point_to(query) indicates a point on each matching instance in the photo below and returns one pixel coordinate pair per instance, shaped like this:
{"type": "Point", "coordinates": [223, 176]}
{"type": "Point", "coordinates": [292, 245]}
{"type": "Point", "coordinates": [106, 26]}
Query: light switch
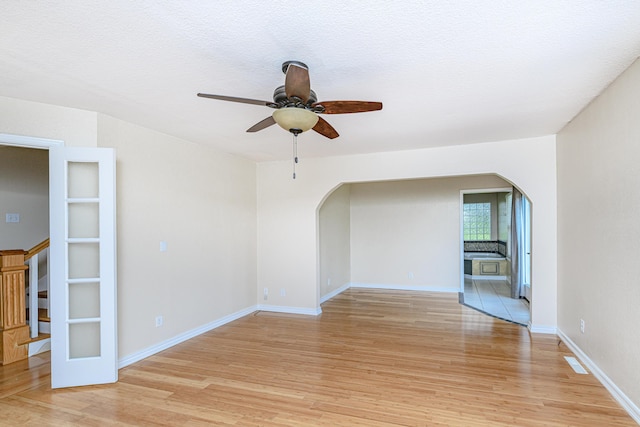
{"type": "Point", "coordinates": [13, 217]}
{"type": "Point", "coordinates": [163, 246]}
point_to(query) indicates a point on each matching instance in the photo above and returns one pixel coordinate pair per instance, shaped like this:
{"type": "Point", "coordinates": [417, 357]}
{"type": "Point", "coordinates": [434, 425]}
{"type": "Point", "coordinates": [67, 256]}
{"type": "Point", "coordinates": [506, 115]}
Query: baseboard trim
{"type": "Point", "coordinates": [290, 310]}
{"type": "Point", "coordinates": [150, 351]}
{"type": "Point", "coordinates": [542, 329]}
{"type": "Point", "coordinates": [403, 287]}
{"type": "Point", "coordinates": [347, 286]}
{"type": "Point", "coordinates": [631, 408]}
{"type": "Point", "coordinates": [335, 292]}
{"type": "Point", "coordinates": [485, 277]}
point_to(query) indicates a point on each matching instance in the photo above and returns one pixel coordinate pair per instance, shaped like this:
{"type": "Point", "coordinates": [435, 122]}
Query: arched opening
{"type": "Point", "coordinates": [402, 234]}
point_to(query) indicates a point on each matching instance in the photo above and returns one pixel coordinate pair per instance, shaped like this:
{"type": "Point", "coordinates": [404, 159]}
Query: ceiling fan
{"type": "Point", "coordinates": [297, 106]}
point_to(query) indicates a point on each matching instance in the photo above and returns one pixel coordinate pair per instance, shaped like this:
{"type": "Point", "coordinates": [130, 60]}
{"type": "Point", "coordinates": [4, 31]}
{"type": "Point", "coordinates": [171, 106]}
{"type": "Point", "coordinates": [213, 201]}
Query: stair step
{"type": "Point", "coordinates": [40, 337]}
{"type": "Point", "coordinates": [42, 315]}
{"type": "Point", "coordinates": [43, 294]}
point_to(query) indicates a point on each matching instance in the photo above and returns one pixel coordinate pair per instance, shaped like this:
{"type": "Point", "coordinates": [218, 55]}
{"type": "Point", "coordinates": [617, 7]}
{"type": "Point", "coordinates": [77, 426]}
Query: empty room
{"type": "Point", "coordinates": [319, 213]}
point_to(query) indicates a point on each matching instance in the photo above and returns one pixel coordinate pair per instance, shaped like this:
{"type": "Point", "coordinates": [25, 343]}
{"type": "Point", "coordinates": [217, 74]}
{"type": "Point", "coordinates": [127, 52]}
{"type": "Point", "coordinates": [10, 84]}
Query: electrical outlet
{"type": "Point", "coordinates": [410, 275]}
{"type": "Point", "coordinates": [582, 326]}
{"type": "Point", "coordinates": [13, 217]}
{"type": "Point", "coordinates": [283, 292]}
{"type": "Point", "coordinates": [159, 321]}
{"type": "Point", "coordinates": [266, 294]}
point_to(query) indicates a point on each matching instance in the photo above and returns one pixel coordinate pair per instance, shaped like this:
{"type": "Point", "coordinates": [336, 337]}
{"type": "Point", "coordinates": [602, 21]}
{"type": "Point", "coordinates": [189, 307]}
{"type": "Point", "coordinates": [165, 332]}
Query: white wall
{"type": "Point", "coordinates": [406, 234]}
{"type": "Point", "coordinates": [24, 189]}
{"type": "Point", "coordinates": [599, 231]}
{"type": "Point", "coordinates": [334, 238]}
{"type": "Point", "coordinates": [287, 209]}
{"type": "Point", "coordinates": [203, 204]}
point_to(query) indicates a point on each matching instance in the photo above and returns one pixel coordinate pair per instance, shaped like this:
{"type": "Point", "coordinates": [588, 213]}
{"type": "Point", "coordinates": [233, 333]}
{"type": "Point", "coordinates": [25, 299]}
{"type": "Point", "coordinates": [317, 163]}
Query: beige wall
{"type": "Point", "coordinates": [287, 209]}
{"type": "Point", "coordinates": [77, 128]}
{"type": "Point", "coordinates": [407, 233]}
{"type": "Point", "coordinates": [599, 231]}
{"type": "Point", "coordinates": [203, 205]}
{"type": "Point", "coordinates": [201, 202]}
{"type": "Point", "coordinates": [24, 189]}
{"type": "Point", "coordinates": [334, 238]}
{"type": "Point", "coordinates": [504, 218]}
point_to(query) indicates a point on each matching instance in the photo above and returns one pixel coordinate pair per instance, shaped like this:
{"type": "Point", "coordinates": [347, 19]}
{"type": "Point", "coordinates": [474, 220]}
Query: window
{"type": "Point", "coordinates": [477, 221]}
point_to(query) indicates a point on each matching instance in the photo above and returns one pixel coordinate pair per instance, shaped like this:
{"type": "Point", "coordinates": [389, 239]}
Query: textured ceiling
{"type": "Point", "coordinates": [447, 72]}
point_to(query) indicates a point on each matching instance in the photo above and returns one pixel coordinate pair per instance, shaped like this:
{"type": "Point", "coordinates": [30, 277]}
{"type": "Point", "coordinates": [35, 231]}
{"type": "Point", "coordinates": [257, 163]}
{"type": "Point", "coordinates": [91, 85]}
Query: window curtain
{"type": "Point", "coordinates": [517, 221]}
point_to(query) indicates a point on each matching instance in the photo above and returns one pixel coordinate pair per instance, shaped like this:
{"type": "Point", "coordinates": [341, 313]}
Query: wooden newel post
{"type": "Point", "coordinates": [14, 331]}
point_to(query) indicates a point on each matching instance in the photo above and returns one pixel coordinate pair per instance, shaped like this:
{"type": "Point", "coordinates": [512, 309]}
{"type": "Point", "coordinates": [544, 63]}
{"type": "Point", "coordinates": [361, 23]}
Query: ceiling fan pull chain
{"type": "Point", "coordinates": [295, 154]}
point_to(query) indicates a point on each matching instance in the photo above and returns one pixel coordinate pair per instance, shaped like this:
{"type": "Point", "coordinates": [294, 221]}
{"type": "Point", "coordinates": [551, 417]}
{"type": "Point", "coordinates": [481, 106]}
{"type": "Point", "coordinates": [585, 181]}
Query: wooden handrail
{"type": "Point", "coordinates": [37, 249]}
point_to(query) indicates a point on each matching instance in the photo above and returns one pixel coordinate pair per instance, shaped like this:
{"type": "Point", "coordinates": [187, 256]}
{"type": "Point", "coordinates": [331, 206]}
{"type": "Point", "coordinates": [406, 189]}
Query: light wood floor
{"type": "Point", "coordinates": [373, 358]}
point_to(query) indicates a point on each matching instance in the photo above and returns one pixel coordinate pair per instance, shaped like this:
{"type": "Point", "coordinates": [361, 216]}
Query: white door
{"type": "Point", "coordinates": [83, 273]}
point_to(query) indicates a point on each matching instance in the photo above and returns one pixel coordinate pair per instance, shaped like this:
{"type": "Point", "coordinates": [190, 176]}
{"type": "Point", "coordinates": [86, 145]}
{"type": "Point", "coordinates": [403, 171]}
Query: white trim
{"type": "Point", "coordinates": [631, 408]}
{"type": "Point", "coordinates": [335, 292]}
{"type": "Point", "coordinates": [347, 286]}
{"type": "Point", "coordinates": [541, 329]}
{"type": "Point", "coordinates": [44, 327]}
{"type": "Point", "coordinates": [485, 277]}
{"type": "Point", "coordinates": [150, 351]}
{"type": "Point", "coordinates": [290, 310]}
{"type": "Point", "coordinates": [424, 288]}
{"type": "Point", "coordinates": [28, 141]}
{"type": "Point", "coordinates": [487, 190]}
{"type": "Point", "coordinates": [41, 346]}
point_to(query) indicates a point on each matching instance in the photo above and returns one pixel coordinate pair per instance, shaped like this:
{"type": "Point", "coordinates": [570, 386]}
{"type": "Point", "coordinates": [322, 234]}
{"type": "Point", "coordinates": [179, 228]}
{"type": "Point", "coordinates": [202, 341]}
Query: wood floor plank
{"type": "Point", "coordinates": [372, 358]}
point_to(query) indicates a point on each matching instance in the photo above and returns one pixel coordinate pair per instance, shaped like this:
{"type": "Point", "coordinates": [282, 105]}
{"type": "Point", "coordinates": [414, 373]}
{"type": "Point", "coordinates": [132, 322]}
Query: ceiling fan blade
{"type": "Point", "coordinates": [262, 124]}
{"type": "Point", "coordinates": [296, 83]}
{"type": "Point", "coordinates": [325, 129]}
{"type": "Point", "coordinates": [343, 107]}
{"type": "Point", "coordinates": [235, 99]}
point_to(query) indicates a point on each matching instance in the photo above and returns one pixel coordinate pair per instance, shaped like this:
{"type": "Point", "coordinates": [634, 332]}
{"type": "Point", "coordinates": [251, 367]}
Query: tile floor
{"type": "Point", "coordinates": [493, 297]}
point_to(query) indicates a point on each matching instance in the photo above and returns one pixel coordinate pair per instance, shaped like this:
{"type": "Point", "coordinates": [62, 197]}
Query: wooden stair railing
{"type": "Point", "coordinates": [14, 331]}
{"type": "Point", "coordinates": [13, 313]}
{"type": "Point", "coordinates": [37, 249]}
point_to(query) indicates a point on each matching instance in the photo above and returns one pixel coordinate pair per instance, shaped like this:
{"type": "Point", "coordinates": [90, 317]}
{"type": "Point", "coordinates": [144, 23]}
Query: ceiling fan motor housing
{"type": "Point", "coordinates": [280, 97]}
{"type": "Point", "coordinates": [285, 65]}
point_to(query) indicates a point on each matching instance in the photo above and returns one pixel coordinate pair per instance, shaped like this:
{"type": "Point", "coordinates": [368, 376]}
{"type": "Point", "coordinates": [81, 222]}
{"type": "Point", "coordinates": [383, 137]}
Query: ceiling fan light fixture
{"type": "Point", "coordinates": [295, 119]}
